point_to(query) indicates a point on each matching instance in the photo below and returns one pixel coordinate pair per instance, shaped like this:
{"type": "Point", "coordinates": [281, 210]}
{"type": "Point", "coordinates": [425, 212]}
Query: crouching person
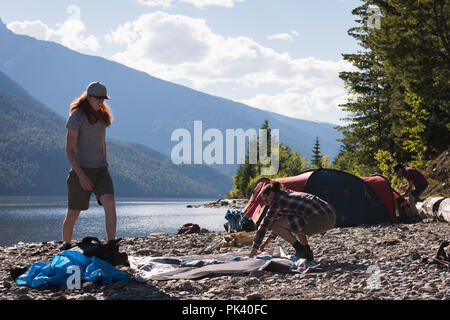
{"type": "Point", "coordinates": [293, 216]}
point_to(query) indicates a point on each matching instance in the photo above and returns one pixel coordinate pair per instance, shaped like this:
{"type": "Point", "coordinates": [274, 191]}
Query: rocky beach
{"type": "Point", "coordinates": [386, 262]}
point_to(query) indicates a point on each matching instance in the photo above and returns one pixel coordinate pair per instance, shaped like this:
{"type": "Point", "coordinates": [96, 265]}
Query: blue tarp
{"type": "Point", "coordinates": [55, 273]}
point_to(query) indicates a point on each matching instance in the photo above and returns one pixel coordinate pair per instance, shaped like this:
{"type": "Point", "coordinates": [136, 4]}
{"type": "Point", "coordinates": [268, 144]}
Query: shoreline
{"type": "Point", "coordinates": [400, 254]}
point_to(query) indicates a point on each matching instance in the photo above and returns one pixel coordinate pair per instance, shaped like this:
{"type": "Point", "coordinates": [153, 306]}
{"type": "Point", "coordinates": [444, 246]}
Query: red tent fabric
{"type": "Point", "coordinates": [383, 189]}
{"type": "Point", "coordinates": [256, 204]}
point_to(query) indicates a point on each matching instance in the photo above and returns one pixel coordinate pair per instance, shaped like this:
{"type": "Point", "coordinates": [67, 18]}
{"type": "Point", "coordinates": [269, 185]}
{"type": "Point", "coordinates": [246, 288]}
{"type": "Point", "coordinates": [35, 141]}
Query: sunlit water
{"type": "Point", "coordinates": [38, 219]}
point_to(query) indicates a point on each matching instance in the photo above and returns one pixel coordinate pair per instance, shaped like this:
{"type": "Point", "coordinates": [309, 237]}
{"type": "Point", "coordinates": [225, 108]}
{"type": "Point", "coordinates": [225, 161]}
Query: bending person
{"type": "Point", "coordinates": [293, 216]}
{"type": "Point", "coordinates": [86, 152]}
{"type": "Point", "coordinates": [417, 184]}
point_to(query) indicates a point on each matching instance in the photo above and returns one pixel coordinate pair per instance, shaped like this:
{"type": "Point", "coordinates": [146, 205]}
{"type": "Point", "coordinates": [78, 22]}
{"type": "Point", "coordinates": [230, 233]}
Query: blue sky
{"type": "Point", "coordinates": [283, 56]}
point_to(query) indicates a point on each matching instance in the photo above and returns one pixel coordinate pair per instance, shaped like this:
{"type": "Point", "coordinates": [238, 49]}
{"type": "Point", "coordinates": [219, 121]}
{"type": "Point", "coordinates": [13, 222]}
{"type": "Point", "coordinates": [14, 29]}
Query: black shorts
{"type": "Point", "coordinates": [419, 190]}
{"type": "Point", "coordinates": [78, 198]}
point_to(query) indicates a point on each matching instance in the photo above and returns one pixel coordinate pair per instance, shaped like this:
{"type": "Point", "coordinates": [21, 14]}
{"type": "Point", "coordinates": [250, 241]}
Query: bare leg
{"type": "Point", "coordinates": [109, 204]}
{"type": "Point", "coordinates": [68, 224]}
{"type": "Point", "coordinates": [414, 211]}
{"type": "Point", "coordinates": [412, 204]}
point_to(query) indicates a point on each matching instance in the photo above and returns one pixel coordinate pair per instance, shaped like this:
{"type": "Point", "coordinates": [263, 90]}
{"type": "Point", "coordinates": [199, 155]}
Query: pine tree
{"type": "Point", "coordinates": [370, 115]}
{"type": "Point", "coordinates": [317, 157]}
{"type": "Point", "coordinates": [407, 55]}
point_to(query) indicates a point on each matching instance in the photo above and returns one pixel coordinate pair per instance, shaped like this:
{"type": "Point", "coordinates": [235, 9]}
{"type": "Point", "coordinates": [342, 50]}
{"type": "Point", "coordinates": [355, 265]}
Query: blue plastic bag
{"type": "Point", "coordinates": [55, 273]}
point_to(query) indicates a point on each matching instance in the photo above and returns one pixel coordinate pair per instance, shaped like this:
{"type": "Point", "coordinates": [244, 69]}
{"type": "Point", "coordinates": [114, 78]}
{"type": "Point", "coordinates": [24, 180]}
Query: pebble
{"type": "Point", "coordinates": [119, 285]}
{"type": "Point", "coordinates": [254, 296]}
{"type": "Point", "coordinates": [415, 256]}
{"type": "Point", "coordinates": [88, 286]}
{"type": "Point", "coordinates": [24, 297]}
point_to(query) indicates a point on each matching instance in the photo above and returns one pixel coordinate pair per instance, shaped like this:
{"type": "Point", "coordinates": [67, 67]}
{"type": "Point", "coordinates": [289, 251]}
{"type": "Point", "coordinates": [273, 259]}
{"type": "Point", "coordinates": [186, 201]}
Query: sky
{"type": "Point", "coordinates": [282, 56]}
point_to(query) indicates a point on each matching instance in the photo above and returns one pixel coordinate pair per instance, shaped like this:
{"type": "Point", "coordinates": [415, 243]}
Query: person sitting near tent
{"type": "Point", "coordinates": [290, 212]}
{"type": "Point", "coordinates": [416, 181]}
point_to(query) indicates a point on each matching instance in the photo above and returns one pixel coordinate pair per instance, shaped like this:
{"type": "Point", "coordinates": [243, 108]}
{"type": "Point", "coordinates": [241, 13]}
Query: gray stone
{"type": "Point", "coordinates": [24, 297]}
{"type": "Point", "coordinates": [22, 290]}
{"type": "Point", "coordinates": [251, 282]}
{"type": "Point", "coordinates": [7, 285]}
{"type": "Point", "coordinates": [88, 286]}
{"type": "Point", "coordinates": [415, 255]}
{"type": "Point", "coordinates": [119, 285]}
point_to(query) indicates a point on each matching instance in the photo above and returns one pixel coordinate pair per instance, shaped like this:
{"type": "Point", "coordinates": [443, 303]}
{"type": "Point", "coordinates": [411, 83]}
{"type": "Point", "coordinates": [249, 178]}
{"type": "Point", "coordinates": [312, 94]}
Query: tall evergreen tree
{"type": "Point", "coordinates": [316, 157]}
{"type": "Point", "coordinates": [406, 55]}
{"type": "Point", "coordinates": [369, 106]}
{"type": "Point", "coordinates": [414, 43]}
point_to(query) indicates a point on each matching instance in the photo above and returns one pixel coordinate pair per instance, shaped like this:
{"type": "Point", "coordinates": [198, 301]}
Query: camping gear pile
{"type": "Point", "coordinates": [236, 222]}
{"type": "Point", "coordinates": [92, 246]}
{"type": "Point", "coordinates": [91, 259]}
{"type": "Point", "coordinates": [62, 266]}
{"type": "Point", "coordinates": [189, 228]}
{"type": "Point", "coordinates": [443, 254]}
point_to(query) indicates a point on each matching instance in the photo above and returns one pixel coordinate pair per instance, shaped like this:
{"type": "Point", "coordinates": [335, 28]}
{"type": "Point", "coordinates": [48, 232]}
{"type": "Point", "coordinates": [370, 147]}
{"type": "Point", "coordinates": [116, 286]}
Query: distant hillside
{"type": "Point", "coordinates": [147, 109]}
{"type": "Point", "coordinates": [33, 161]}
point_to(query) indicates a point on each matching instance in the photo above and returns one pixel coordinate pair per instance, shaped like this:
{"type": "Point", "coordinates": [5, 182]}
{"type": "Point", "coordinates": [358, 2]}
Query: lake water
{"type": "Point", "coordinates": [38, 219]}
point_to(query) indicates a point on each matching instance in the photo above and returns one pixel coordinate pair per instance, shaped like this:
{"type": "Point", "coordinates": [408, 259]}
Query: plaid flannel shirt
{"type": "Point", "coordinates": [297, 207]}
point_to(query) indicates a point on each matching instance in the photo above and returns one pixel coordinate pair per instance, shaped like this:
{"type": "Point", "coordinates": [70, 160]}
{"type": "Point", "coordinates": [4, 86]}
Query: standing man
{"type": "Point", "coordinates": [86, 152]}
{"type": "Point", "coordinates": [415, 187]}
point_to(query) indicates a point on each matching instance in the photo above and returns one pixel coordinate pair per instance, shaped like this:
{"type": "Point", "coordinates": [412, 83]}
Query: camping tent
{"type": "Point", "coordinates": [366, 200]}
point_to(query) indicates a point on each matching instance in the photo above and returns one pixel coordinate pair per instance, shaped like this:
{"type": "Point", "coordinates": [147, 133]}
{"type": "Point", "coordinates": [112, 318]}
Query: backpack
{"type": "Point", "coordinates": [442, 254]}
{"type": "Point", "coordinates": [92, 246]}
{"type": "Point", "coordinates": [248, 225]}
{"type": "Point", "coordinates": [188, 228]}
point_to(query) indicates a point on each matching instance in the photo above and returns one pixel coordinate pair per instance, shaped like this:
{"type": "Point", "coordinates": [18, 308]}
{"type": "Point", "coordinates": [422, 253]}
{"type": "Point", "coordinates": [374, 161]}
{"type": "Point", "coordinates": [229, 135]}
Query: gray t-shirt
{"type": "Point", "coordinates": [90, 140]}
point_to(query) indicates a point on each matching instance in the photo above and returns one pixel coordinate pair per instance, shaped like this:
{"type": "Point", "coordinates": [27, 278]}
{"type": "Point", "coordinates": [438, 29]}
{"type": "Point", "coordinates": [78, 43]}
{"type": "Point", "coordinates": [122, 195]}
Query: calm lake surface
{"type": "Point", "coordinates": [38, 219]}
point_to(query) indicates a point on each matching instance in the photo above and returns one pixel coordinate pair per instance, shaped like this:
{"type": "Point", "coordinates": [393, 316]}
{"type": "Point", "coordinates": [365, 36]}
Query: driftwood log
{"type": "Point", "coordinates": [437, 208]}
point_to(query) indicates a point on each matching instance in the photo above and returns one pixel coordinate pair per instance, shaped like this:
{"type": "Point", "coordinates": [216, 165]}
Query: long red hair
{"type": "Point", "coordinates": [82, 103]}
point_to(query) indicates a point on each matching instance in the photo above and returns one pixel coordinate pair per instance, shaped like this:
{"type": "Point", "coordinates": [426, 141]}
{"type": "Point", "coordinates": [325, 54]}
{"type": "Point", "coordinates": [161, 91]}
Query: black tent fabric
{"type": "Point", "coordinates": [354, 201]}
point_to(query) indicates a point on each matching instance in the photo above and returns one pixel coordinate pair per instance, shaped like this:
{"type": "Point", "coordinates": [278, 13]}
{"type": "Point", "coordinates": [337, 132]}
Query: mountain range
{"type": "Point", "coordinates": [146, 109]}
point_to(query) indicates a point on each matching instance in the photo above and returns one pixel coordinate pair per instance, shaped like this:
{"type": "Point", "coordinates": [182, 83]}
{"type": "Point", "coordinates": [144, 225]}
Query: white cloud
{"type": "Point", "coordinates": [160, 38]}
{"type": "Point", "coordinates": [35, 29]}
{"type": "Point", "coordinates": [198, 3]}
{"type": "Point", "coordinates": [281, 36]}
{"type": "Point", "coordinates": [300, 105]}
{"type": "Point", "coordinates": [70, 33]}
{"type": "Point", "coordinates": [284, 36]}
{"type": "Point", "coordinates": [204, 3]}
{"type": "Point", "coordinates": [157, 3]}
{"type": "Point", "coordinates": [185, 50]}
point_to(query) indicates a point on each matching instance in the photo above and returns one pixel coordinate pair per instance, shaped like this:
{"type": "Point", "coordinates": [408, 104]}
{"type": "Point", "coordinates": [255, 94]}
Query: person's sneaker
{"type": "Point", "coordinates": [65, 246]}
{"type": "Point", "coordinates": [309, 254]}
{"type": "Point", "coordinates": [305, 253]}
